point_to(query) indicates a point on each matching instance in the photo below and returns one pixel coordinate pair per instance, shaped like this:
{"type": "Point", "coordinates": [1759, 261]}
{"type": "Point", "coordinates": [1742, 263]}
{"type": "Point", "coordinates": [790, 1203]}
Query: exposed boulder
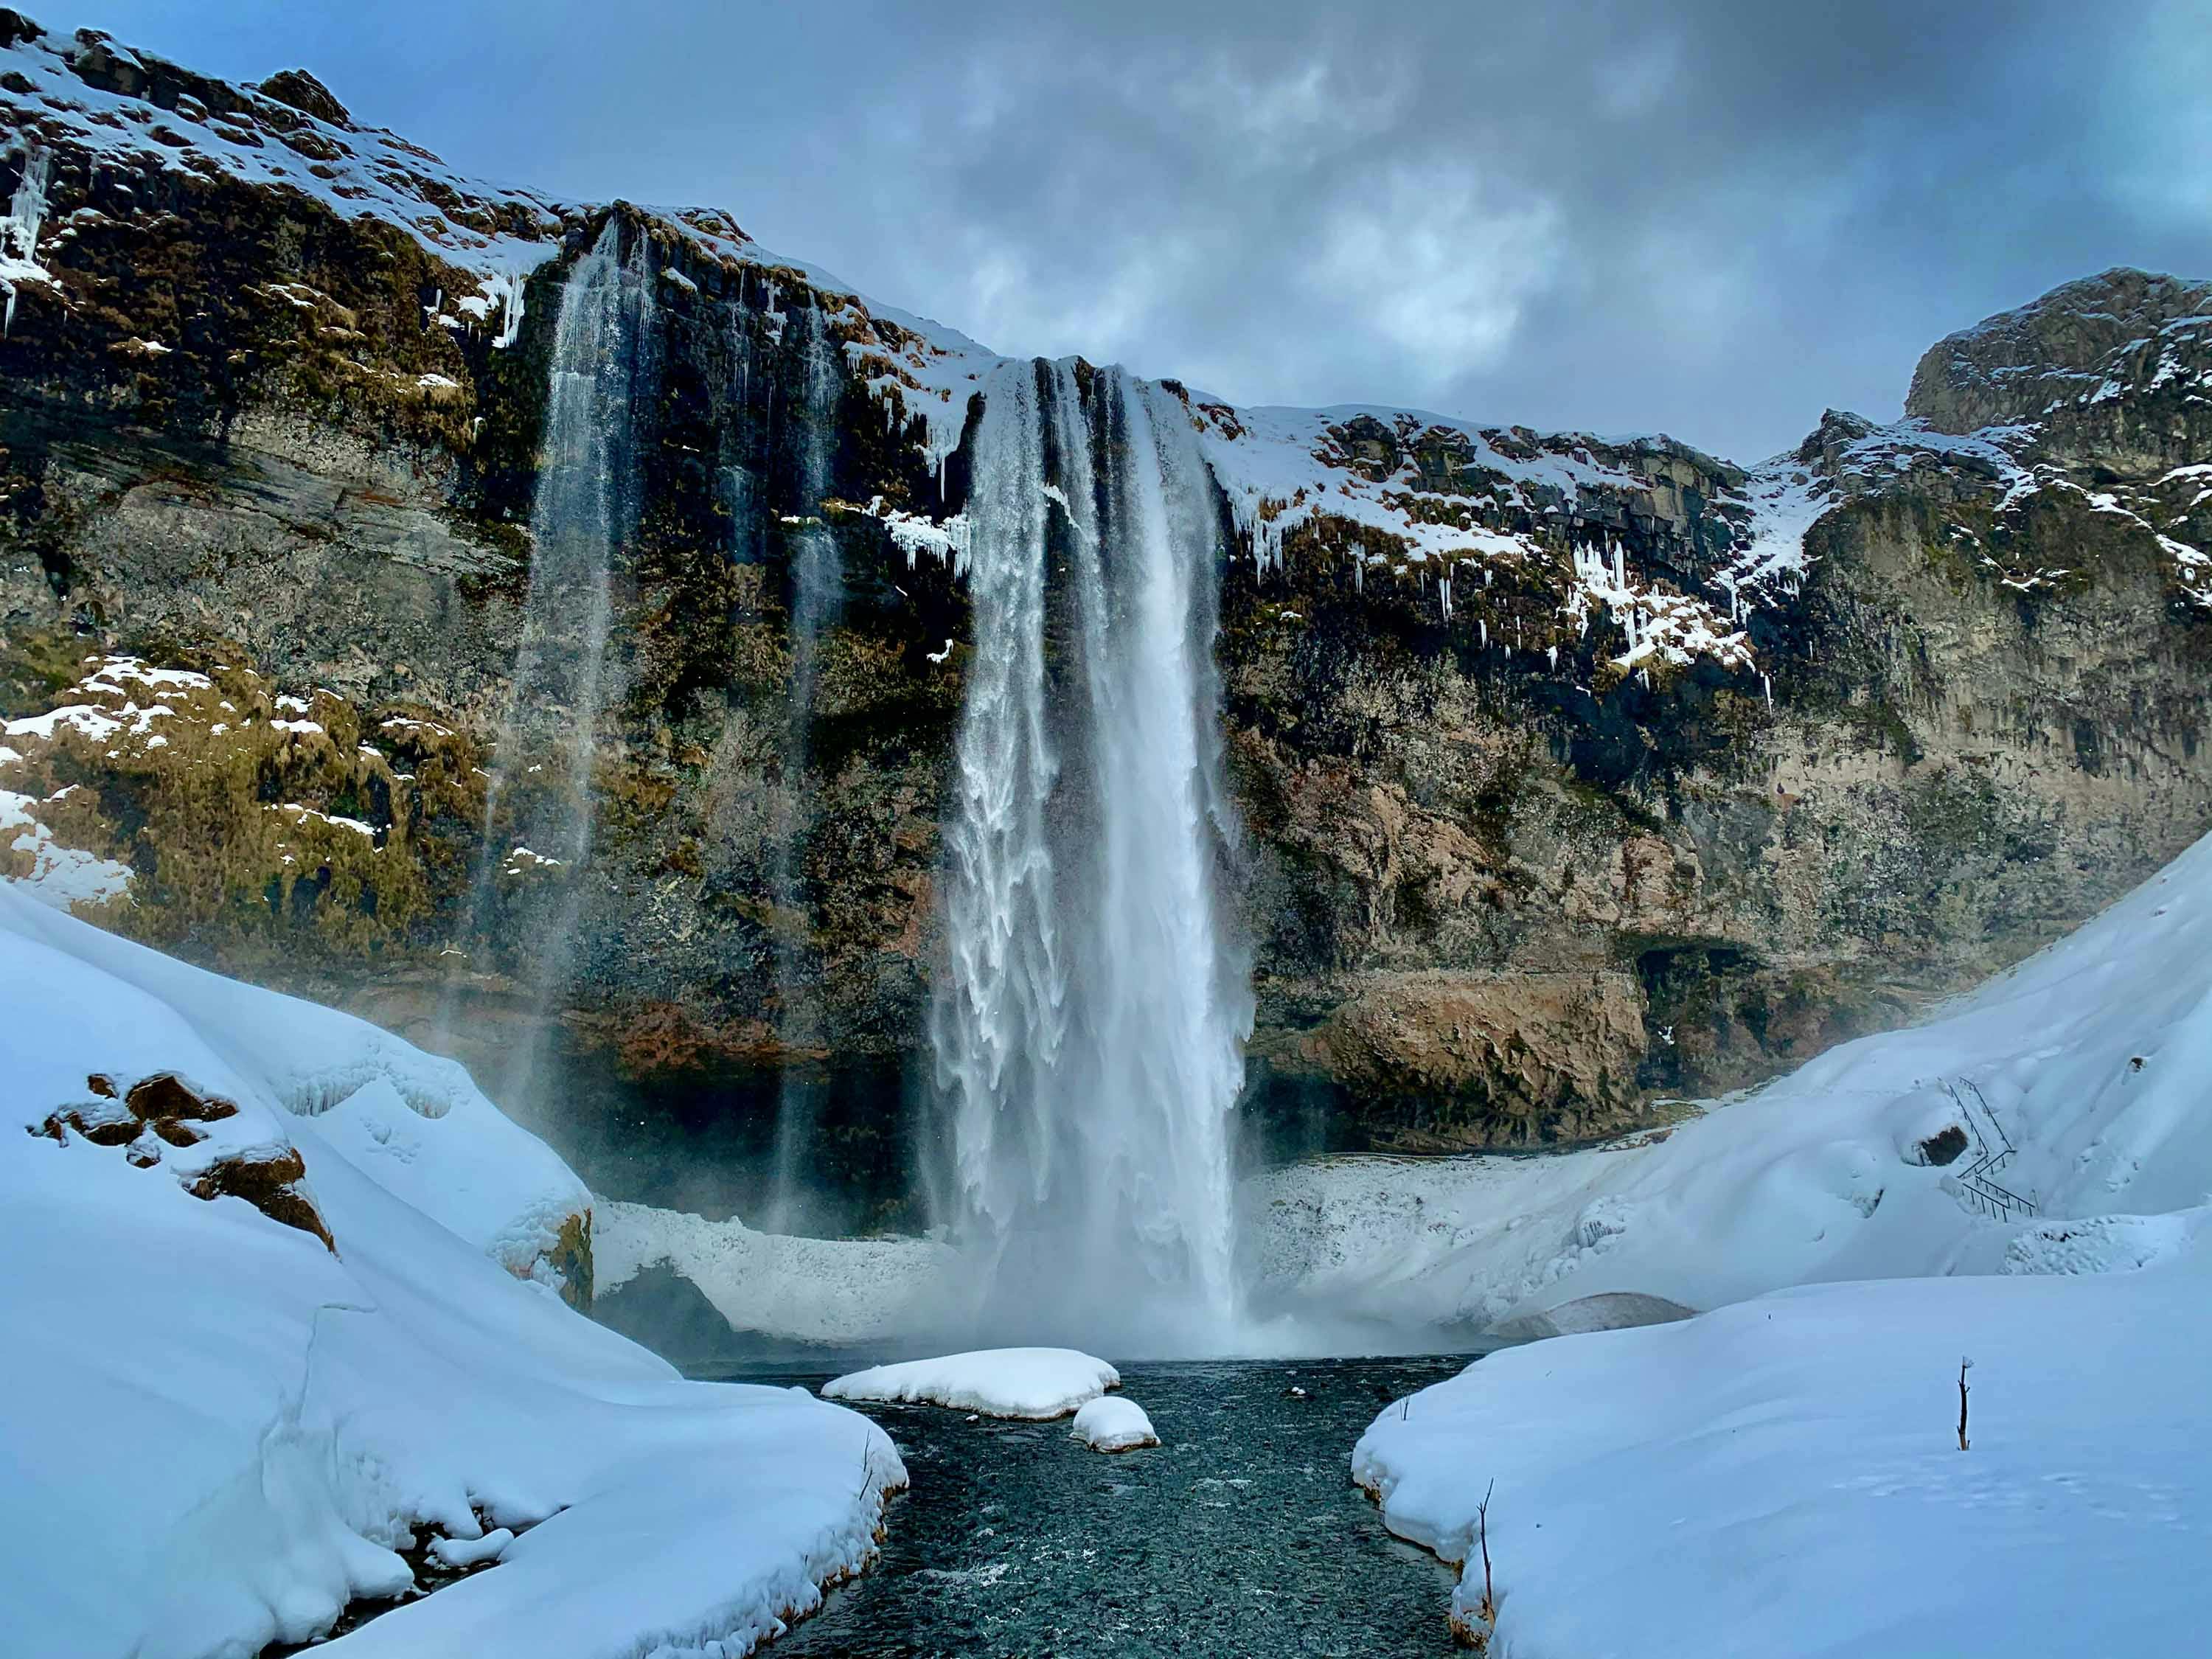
{"type": "Point", "coordinates": [303, 93]}
{"type": "Point", "coordinates": [1442, 1062]}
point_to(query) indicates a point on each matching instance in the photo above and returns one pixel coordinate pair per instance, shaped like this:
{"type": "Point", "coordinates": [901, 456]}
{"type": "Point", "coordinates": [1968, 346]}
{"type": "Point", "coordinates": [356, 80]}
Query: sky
{"type": "Point", "coordinates": [1713, 220]}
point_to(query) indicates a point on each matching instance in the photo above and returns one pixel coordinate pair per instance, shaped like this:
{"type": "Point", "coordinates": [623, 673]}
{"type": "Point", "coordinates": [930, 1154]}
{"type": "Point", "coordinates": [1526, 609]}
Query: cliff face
{"type": "Point", "coordinates": [1574, 775]}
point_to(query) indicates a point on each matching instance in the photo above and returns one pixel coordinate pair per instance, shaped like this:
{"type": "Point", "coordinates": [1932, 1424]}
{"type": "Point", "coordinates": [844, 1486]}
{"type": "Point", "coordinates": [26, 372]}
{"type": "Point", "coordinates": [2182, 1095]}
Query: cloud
{"type": "Point", "coordinates": [1427, 260]}
{"type": "Point", "coordinates": [1714, 218]}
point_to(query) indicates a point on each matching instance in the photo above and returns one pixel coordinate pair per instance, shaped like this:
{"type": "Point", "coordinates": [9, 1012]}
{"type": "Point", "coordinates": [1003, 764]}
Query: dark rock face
{"type": "Point", "coordinates": [303, 92]}
{"type": "Point", "coordinates": [1637, 807]}
{"type": "Point", "coordinates": [2112, 368]}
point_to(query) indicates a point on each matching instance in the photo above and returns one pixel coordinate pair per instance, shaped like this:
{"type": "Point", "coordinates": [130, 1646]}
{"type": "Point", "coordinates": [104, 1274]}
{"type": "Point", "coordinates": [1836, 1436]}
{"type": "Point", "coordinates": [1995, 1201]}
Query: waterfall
{"type": "Point", "coordinates": [1087, 1031]}
{"type": "Point", "coordinates": [584, 509]}
{"type": "Point", "coordinates": [817, 590]}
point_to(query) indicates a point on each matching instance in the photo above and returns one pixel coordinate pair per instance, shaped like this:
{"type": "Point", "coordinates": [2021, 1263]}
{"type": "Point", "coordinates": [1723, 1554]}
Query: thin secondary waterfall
{"type": "Point", "coordinates": [817, 590]}
{"type": "Point", "coordinates": [1089, 1032]}
{"type": "Point", "coordinates": [541, 782]}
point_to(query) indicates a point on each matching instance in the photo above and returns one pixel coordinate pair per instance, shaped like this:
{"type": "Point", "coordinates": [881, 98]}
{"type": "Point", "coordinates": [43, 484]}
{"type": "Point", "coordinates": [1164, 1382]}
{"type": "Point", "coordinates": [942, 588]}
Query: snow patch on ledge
{"type": "Point", "coordinates": [60, 876]}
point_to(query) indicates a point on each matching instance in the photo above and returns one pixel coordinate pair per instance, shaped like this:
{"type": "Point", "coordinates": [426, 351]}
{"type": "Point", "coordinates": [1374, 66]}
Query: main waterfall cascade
{"type": "Point", "coordinates": [1089, 1030]}
{"type": "Point", "coordinates": [584, 510]}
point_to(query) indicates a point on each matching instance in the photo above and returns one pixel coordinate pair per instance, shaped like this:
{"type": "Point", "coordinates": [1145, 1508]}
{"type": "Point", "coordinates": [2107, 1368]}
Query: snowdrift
{"type": "Point", "coordinates": [1784, 1475]}
{"type": "Point", "coordinates": [282, 1305]}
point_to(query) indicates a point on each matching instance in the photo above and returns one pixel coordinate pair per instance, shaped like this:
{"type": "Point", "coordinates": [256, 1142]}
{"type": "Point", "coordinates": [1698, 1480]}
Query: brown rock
{"type": "Point", "coordinates": [1464, 1061]}
{"type": "Point", "coordinates": [268, 1183]}
{"type": "Point", "coordinates": [307, 94]}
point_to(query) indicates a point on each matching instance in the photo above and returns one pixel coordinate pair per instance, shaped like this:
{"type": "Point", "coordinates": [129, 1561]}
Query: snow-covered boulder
{"type": "Point", "coordinates": [222, 1424]}
{"type": "Point", "coordinates": [1113, 1424]}
{"type": "Point", "coordinates": [1034, 1382]}
{"type": "Point", "coordinates": [806, 1289]}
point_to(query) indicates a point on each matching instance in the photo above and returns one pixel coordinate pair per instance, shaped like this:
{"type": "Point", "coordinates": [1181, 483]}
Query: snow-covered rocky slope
{"type": "Point", "coordinates": [280, 1315]}
{"type": "Point", "coordinates": [1784, 1475]}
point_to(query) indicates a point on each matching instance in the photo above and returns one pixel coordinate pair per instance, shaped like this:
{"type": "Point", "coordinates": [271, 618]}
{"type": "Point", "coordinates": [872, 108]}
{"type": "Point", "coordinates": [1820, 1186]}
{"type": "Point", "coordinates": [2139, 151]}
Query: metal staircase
{"type": "Point", "coordinates": [1978, 1189]}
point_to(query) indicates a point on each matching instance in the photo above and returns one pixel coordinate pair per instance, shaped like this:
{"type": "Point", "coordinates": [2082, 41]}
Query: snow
{"type": "Point", "coordinates": [1784, 1476]}
{"type": "Point", "coordinates": [57, 875]}
{"type": "Point", "coordinates": [1813, 1178]}
{"type": "Point", "coordinates": [218, 1431]}
{"type": "Point", "coordinates": [1786, 1469]}
{"type": "Point", "coordinates": [1786, 499]}
{"type": "Point", "coordinates": [1034, 1382]}
{"type": "Point", "coordinates": [1113, 1424]}
{"type": "Point", "coordinates": [806, 1290]}
{"type": "Point", "coordinates": [355, 171]}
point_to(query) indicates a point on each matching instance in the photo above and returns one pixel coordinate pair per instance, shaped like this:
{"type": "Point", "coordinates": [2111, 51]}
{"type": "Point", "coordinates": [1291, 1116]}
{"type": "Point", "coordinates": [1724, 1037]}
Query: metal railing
{"type": "Point", "coordinates": [1977, 1186]}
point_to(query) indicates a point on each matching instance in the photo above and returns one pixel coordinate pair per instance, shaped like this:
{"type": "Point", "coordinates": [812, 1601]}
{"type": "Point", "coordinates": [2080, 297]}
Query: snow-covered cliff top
{"type": "Point", "coordinates": [1672, 548]}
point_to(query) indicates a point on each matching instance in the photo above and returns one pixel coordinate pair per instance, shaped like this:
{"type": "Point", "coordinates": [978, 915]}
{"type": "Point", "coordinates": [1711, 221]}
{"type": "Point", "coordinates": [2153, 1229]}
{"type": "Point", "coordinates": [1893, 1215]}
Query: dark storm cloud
{"type": "Point", "coordinates": [1712, 220]}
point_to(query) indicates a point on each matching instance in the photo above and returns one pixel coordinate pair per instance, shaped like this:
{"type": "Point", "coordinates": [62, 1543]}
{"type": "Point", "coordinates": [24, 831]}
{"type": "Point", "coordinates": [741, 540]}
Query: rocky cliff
{"type": "Point", "coordinates": [1575, 775]}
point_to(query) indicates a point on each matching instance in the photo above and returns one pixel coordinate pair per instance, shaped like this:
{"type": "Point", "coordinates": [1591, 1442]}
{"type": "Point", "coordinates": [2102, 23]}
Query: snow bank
{"type": "Point", "coordinates": [807, 1289]}
{"type": "Point", "coordinates": [218, 1430]}
{"type": "Point", "coordinates": [997, 1381]}
{"type": "Point", "coordinates": [1783, 1476]}
{"type": "Point", "coordinates": [413, 1123]}
{"type": "Point", "coordinates": [1113, 1426]}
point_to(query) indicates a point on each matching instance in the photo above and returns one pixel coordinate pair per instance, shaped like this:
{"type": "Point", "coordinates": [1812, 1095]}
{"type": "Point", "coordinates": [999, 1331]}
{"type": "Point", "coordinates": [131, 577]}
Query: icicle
{"type": "Point", "coordinates": [1620, 567]}
{"type": "Point", "coordinates": [20, 229]}
{"type": "Point", "coordinates": [1767, 686]}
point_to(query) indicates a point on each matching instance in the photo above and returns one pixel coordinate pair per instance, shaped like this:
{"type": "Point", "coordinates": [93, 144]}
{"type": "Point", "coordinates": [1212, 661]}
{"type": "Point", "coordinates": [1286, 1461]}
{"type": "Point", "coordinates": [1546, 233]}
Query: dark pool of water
{"type": "Point", "coordinates": [1241, 1534]}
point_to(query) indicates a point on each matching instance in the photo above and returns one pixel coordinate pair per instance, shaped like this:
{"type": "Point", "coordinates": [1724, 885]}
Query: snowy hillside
{"type": "Point", "coordinates": [283, 1335]}
{"type": "Point", "coordinates": [2090, 1059]}
{"type": "Point", "coordinates": [1784, 1475]}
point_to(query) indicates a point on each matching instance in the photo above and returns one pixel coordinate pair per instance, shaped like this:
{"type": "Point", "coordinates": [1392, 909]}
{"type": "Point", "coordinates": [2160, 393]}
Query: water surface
{"type": "Point", "coordinates": [1241, 1534]}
